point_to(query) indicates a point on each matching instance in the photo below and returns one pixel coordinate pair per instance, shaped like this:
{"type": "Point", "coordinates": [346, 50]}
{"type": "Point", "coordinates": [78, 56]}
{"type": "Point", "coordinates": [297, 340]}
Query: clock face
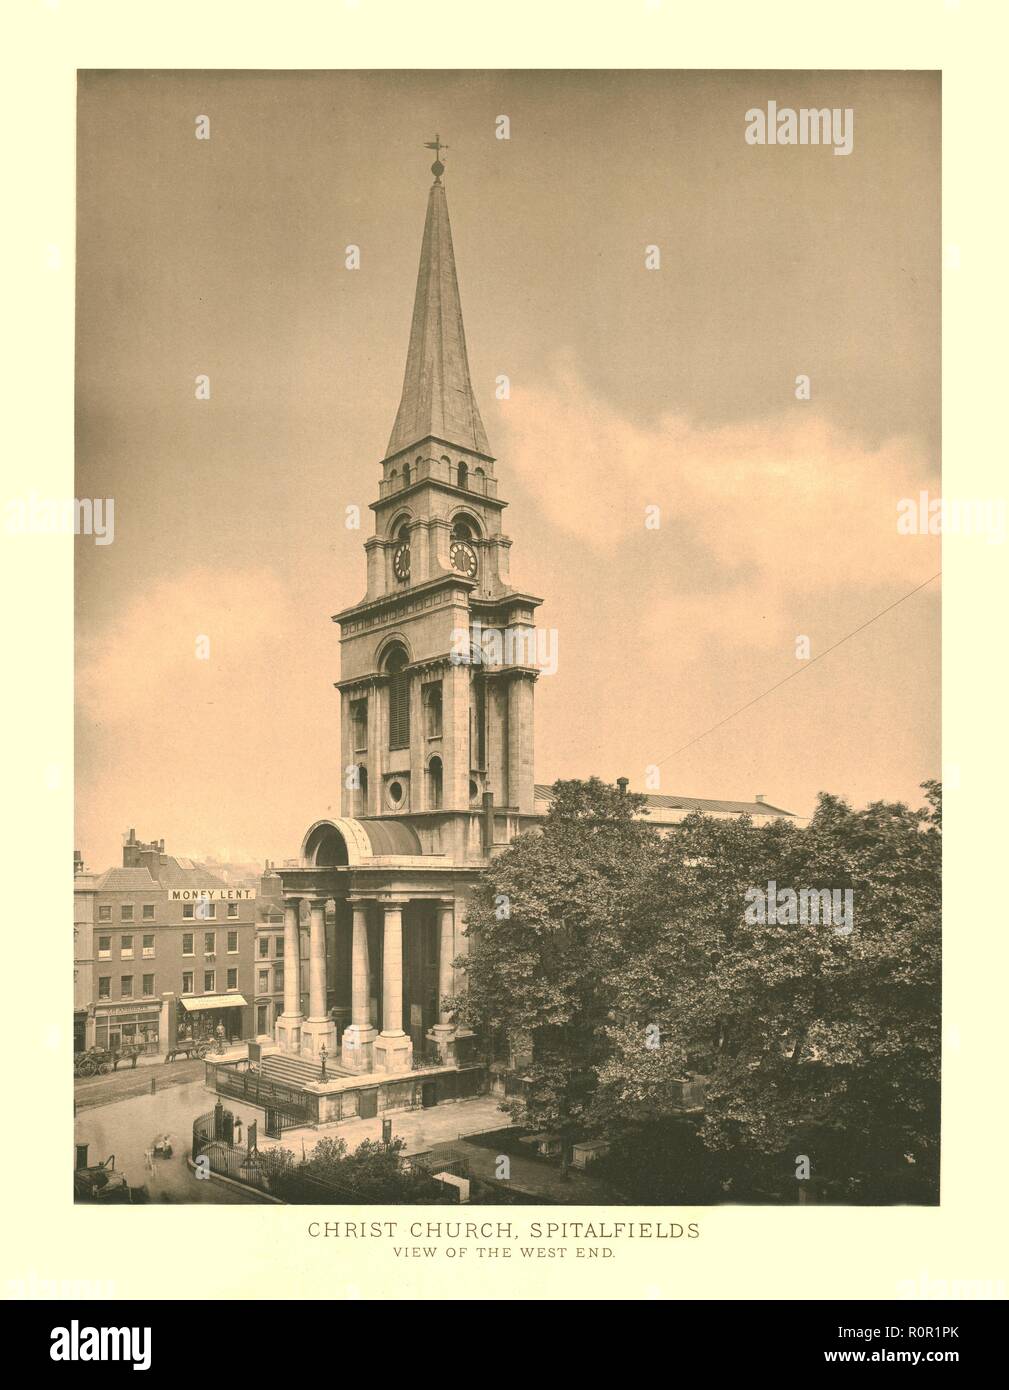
{"type": "Point", "coordinates": [463, 558]}
{"type": "Point", "coordinates": [401, 561]}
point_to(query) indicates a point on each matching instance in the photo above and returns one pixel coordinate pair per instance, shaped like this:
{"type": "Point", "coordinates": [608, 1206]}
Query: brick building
{"type": "Point", "coordinates": [161, 947]}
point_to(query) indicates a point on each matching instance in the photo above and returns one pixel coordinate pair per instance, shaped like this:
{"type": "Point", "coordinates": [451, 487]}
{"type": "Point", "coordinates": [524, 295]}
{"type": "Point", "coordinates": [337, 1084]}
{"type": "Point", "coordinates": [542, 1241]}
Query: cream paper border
{"type": "Point", "coordinates": [256, 1252]}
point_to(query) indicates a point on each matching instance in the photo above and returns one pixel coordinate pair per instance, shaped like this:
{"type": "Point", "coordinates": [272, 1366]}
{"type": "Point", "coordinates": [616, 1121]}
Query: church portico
{"type": "Point", "coordinates": [377, 984]}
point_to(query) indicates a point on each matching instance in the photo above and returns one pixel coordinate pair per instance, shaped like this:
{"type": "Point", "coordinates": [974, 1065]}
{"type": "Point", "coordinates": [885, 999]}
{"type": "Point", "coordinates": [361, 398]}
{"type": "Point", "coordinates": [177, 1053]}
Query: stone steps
{"type": "Point", "coordinates": [290, 1070]}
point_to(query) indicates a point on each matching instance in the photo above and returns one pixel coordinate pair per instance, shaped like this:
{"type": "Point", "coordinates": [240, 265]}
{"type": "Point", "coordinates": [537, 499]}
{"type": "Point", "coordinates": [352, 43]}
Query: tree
{"type": "Point", "coordinates": [816, 1042]}
{"type": "Point", "coordinates": [548, 927]}
{"type": "Point", "coordinates": [624, 965]}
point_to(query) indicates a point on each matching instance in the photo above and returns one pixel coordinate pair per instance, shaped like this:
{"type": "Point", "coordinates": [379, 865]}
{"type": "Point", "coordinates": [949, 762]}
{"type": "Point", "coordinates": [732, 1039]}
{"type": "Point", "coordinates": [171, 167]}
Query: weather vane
{"type": "Point", "coordinates": [437, 168]}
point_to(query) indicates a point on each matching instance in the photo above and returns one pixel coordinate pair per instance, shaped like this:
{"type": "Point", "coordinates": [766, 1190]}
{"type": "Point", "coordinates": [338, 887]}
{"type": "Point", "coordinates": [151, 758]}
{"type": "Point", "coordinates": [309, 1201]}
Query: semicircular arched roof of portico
{"type": "Point", "coordinates": [360, 840]}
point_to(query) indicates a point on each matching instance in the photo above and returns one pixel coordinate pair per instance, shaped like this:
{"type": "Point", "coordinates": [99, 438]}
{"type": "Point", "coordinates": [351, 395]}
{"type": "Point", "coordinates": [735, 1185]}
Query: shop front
{"type": "Point", "coordinates": [122, 1026]}
{"type": "Point", "coordinates": [203, 1016]}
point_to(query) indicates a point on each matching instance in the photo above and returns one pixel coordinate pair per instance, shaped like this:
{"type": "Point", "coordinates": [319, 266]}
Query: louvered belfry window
{"type": "Point", "coordinates": [399, 699]}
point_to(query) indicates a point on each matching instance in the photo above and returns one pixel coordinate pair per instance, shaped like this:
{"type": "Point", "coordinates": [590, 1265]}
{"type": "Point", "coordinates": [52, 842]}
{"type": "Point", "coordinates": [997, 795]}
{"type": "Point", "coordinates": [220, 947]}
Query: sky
{"type": "Point", "coordinates": [631, 389]}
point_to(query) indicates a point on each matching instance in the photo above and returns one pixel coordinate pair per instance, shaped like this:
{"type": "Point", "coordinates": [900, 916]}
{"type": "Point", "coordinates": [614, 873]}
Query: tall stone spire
{"type": "Point", "coordinates": [437, 396]}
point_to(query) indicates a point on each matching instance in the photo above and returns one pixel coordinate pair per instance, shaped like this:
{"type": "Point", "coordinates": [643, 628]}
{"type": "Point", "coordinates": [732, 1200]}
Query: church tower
{"type": "Point", "coordinates": [437, 658]}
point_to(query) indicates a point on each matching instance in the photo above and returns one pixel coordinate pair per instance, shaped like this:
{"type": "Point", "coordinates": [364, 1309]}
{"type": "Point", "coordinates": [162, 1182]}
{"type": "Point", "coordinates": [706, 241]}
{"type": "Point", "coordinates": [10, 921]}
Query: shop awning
{"type": "Point", "coordinates": [214, 1001]}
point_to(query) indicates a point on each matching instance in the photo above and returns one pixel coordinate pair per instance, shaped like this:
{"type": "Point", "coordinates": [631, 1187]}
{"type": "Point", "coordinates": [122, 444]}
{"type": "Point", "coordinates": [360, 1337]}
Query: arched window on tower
{"type": "Point", "coordinates": [463, 474]}
{"type": "Point", "coordinates": [406, 475]}
{"type": "Point", "coordinates": [462, 530]}
{"type": "Point", "coordinates": [399, 698]}
{"type": "Point", "coordinates": [434, 784]}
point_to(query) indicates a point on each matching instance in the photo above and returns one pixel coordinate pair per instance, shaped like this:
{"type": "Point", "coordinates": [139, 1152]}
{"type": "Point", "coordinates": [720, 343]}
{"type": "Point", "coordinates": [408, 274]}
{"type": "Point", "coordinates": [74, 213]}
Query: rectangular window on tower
{"type": "Point", "coordinates": [432, 709]}
{"type": "Point", "coordinates": [399, 710]}
{"type": "Point", "coordinates": [359, 725]}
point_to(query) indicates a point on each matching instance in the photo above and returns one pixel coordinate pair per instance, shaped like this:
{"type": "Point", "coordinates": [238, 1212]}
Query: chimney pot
{"type": "Point", "coordinates": [623, 783]}
{"type": "Point", "coordinates": [760, 796]}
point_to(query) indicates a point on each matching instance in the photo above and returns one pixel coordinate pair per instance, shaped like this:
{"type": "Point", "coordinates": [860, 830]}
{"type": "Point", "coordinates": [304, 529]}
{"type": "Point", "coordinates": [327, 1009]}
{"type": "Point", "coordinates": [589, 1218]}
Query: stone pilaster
{"type": "Point", "coordinates": [318, 1028]}
{"type": "Point", "coordinates": [443, 1032]}
{"type": "Point", "coordinates": [393, 1047]}
{"type": "Point", "coordinates": [289, 1024]}
{"type": "Point", "coordinates": [359, 1037]}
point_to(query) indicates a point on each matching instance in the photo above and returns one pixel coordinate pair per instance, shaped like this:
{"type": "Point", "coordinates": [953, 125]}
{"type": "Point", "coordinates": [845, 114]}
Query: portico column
{"type": "Point", "coordinates": [319, 1028]}
{"type": "Point", "coordinates": [290, 1021]}
{"type": "Point", "coordinates": [359, 1037]}
{"type": "Point", "coordinates": [443, 1032]}
{"type": "Point", "coordinates": [393, 1047]}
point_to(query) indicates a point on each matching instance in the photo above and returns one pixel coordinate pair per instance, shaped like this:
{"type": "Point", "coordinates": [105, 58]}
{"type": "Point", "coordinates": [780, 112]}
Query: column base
{"type": "Point", "coordinates": [443, 1036]}
{"type": "Point", "coordinates": [358, 1047]}
{"type": "Point", "coordinates": [393, 1052]}
{"type": "Point", "coordinates": [314, 1033]}
{"type": "Point", "coordinates": [289, 1032]}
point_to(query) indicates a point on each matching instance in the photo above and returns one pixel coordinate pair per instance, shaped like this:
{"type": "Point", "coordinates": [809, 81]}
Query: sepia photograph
{"type": "Point", "coordinates": [507, 623]}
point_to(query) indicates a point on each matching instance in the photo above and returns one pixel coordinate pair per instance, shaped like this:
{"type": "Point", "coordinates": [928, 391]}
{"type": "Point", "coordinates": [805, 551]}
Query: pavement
{"type": "Point", "coordinates": [128, 1128]}
{"type": "Point", "coordinates": [90, 1091]}
{"type": "Point", "coordinates": [444, 1128]}
{"type": "Point", "coordinates": [422, 1129]}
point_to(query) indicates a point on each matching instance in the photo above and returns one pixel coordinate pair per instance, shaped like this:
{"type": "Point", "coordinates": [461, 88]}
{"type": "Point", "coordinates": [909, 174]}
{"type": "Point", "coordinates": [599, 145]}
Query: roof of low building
{"type": "Point", "coordinates": [655, 802]}
{"type": "Point", "coordinates": [173, 872]}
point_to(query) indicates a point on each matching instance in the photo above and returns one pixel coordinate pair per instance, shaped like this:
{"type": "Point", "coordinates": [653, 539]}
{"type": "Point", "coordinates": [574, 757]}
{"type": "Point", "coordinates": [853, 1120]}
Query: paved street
{"type": "Point", "coordinates": [90, 1091]}
{"type": "Point", "coordinates": [128, 1128]}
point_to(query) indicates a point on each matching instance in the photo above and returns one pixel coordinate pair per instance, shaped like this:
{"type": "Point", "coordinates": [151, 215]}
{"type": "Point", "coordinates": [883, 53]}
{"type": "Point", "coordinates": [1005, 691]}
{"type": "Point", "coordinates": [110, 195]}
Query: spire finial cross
{"type": "Point", "coordinates": [437, 168]}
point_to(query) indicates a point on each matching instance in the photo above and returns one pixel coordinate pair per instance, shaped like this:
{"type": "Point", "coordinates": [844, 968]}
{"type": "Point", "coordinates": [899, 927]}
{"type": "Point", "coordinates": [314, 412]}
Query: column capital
{"type": "Point", "coordinates": [316, 902]}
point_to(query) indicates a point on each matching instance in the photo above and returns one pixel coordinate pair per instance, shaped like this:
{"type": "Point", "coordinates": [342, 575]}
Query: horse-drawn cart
{"type": "Point", "coordinates": [188, 1047]}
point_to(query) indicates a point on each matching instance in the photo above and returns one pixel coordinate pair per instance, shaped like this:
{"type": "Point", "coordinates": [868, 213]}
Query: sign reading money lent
{"type": "Point", "coordinates": [210, 895]}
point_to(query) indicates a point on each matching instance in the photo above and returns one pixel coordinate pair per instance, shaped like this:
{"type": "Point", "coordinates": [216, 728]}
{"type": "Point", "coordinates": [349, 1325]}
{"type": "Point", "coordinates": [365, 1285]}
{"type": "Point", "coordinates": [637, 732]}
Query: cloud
{"type": "Point", "coordinates": [759, 521]}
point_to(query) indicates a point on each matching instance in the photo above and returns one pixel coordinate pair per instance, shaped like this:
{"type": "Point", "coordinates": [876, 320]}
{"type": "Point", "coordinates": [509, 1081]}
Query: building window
{"type": "Point", "coordinates": [188, 948]}
{"type": "Point", "coordinates": [232, 943]}
{"type": "Point", "coordinates": [434, 784]}
{"type": "Point", "coordinates": [208, 981]}
{"type": "Point", "coordinates": [148, 946]}
{"type": "Point", "coordinates": [233, 979]}
{"type": "Point", "coordinates": [104, 986]}
{"type": "Point", "coordinates": [187, 910]}
{"type": "Point", "coordinates": [264, 982]}
{"type": "Point", "coordinates": [264, 945]}
{"type": "Point", "coordinates": [463, 475]}
{"type": "Point", "coordinates": [104, 912]}
{"type": "Point", "coordinates": [148, 985]}
{"type": "Point", "coordinates": [208, 911]}
{"type": "Point", "coordinates": [104, 947]}
{"type": "Point", "coordinates": [126, 912]}
{"type": "Point", "coordinates": [126, 947]}
{"type": "Point", "coordinates": [359, 725]}
{"type": "Point", "coordinates": [399, 698]}
{"type": "Point", "coordinates": [232, 909]}
{"type": "Point", "coordinates": [432, 709]}
{"type": "Point", "coordinates": [187, 982]}
{"type": "Point", "coordinates": [148, 911]}
{"type": "Point", "coordinates": [210, 943]}
{"type": "Point", "coordinates": [278, 979]}
{"type": "Point", "coordinates": [126, 986]}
